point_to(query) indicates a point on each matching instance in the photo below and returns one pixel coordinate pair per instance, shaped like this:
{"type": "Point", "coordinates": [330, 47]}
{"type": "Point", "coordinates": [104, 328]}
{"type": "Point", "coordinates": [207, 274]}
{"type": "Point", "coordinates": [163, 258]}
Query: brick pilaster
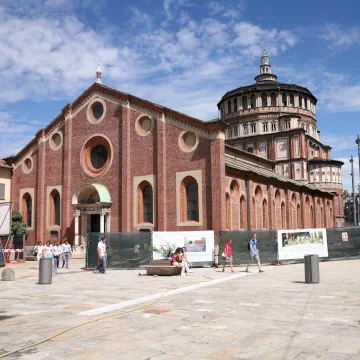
{"type": "Point", "coordinates": [67, 214]}
{"type": "Point", "coordinates": [161, 174]}
{"type": "Point", "coordinates": [271, 209]}
{"type": "Point", "coordinates": [218, 201]}
{"type": "Point", "coordinates": [40, 190]}
{"type": "Point", "coordinates": [126, 186]}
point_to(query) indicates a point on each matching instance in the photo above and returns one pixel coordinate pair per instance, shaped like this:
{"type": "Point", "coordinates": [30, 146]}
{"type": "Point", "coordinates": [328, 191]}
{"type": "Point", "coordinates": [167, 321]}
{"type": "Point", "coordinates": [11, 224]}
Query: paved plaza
{"type": "Point", "coordinates": [209, 315]}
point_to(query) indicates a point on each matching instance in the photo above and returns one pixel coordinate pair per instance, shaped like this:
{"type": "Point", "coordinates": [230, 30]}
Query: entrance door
{"type": "Point", "coordinates": [95, 223]}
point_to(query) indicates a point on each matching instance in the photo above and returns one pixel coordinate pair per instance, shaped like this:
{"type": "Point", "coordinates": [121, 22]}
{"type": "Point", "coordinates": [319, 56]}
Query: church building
{"type": "Point", "coordinates": [113, 162]}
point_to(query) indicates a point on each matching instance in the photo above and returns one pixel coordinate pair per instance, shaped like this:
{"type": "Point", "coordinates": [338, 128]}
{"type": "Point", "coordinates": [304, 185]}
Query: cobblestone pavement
{"type": "Point", "coordinates": [273, 315]}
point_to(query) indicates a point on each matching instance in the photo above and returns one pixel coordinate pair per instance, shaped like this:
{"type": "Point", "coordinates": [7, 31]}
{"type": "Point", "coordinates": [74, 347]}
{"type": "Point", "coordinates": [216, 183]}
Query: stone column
{"type": "Point", "coordinates": [76, 230]}
{"type": "Point", "coordinates": [102, 221]}
{"type": "Point", "coordinates": [108, 221]}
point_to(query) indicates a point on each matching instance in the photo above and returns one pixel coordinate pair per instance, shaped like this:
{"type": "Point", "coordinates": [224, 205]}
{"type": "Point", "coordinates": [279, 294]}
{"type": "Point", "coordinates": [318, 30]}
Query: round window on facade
{"type": "Point", "coordinates": [234, 190]}
{"type": "Point", "coordinates": [143, 125]}
{"type": "Point", "coordinates": [27, 165]}
{"type": "Point", "coordinates": [188, 141]}
{"type": "Point", "coordinates": [56, 141]}
{"type": "Point", "coordinates": [96, 156]}
{"type": "Point", "coordinates": [96, 111]}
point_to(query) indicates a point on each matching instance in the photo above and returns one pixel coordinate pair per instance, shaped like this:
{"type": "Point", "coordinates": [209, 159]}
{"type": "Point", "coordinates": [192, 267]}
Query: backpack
{"type": "Point", "coordinates": [249, 246]}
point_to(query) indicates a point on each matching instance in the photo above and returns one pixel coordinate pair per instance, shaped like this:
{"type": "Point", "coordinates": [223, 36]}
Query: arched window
{"type": "Point", "coordinates": [306, 104]}
{"type": "Point", "coordinates": [252, 101]}
{"type": "Point", "coordinates": [264, 100]}
{"type": "Point", "coordinates": [291, 100]}
{"type": "Point", "coordinates": [235, 104]}
{"type": "Point", "coordinates": [265, 217]}
{"type": "Point", "coordinates": [243, 222]}
{"type": "Point", "coordinates": [300, 102]}
{"type": "Point", "coordinates": [27, 209]}
{"type": "Point", "coordinates": [229, 107]}
{"type": "Point", "coordinates": [283, 216]}
{"type": "Point", "coordinates": [189, 200]}
{"type": "Point", "coordinates": [293, 211]}
{"type": "Point", "coordinates": [54, 208]}
{"type": "Point", "coordinates": [273, 99]}
{"type": "Point", "coordinates": [228, 212]}
{"type": "Point", "coordinates": [145, 203]}
{"type": "Point", "coordinates": [311, 217]}
{"type": "Point", "coordinates": [284, 99]}
{"type": "Point", "coordinates": [244, 102]}
{"type": "Point", "coordinates": [298, 217]}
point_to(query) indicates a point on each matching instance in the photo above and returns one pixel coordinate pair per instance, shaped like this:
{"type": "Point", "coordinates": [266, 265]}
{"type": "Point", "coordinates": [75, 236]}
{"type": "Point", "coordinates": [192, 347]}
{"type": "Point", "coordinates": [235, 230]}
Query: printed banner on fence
{"type": "Point", "coordinates": [199, 244]}
{"type": "Point", "coordinates": [5, 219]}
{"type": "Point", "coordinates": [295, 244]}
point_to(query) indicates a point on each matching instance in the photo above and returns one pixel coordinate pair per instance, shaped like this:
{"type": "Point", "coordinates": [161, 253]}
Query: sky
{"type": "Point", "coordinates": [183, 54]}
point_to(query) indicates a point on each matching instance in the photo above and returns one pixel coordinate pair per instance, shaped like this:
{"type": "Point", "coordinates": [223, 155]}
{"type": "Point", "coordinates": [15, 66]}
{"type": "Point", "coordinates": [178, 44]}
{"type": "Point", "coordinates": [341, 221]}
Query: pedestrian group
{"type": "Point", "coordinates": [54, 251]}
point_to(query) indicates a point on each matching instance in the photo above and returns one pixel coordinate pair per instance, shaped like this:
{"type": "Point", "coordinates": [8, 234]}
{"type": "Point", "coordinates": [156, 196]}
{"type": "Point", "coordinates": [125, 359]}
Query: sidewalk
{"type": "Point", "coordinates": [273, 315]}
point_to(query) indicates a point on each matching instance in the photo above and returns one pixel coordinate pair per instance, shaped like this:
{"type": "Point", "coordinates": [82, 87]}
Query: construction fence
{"type": "Point", "coordinates": [132, 250]}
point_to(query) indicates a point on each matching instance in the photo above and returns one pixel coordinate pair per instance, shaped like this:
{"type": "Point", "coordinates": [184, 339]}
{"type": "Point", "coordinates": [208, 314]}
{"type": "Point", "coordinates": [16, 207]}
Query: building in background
{"type": "Point", "coordinates": [5, 181]}
{"type": "Point", "coordinates": [277, 122]}
{"type": "Point", "coordinates": [112, 162]}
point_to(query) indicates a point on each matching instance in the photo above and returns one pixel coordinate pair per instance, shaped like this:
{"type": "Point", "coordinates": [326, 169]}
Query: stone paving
{"type": "Point", "coordinates": [273, 315]}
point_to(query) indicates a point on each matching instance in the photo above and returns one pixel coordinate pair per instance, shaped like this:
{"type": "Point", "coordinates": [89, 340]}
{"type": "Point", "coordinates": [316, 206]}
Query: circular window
{"type": "Point", "coordinates": [96, 111]}
{"type": "Point", "coordinates": [56, 141]}
{"type": "Point", "coordinates": [143, 125]}
{"type": "Point", "coordinates": [27, 165]}
{"type": "Point", "coordinates": [96, 156]}
{"type": "Point", "coordinates": [99, 156]}
{"type": "Point", "coordinates": [188, 141]}
{"type": "Point", "coordinates": [234, 190]}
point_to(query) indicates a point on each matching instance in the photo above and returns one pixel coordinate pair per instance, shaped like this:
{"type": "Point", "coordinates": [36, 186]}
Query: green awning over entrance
{"type": "Point", "coordinates": [103, 193]}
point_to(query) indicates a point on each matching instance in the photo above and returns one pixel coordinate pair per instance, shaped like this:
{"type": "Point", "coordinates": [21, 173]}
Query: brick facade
{"type": "Point", "coordinates": [158, 156]}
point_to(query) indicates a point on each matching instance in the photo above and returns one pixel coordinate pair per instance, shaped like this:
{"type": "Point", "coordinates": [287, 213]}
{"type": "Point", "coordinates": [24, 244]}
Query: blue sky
{"type": "Point", "coordinates": [184, 54]}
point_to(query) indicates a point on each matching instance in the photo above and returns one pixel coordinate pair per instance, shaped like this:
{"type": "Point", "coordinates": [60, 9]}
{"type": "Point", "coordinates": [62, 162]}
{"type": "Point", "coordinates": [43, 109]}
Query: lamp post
{"type": "Point", "coordinates": [358, 144]}
{"type": "Point", "coordinates": [353, 188]}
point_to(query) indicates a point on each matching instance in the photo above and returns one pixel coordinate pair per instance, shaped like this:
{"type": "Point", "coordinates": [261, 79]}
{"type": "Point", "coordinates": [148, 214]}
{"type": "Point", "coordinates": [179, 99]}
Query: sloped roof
{"type": "Point", "coordinates": [4, 165]}
{"type": "Point", "coordinates": [238, 164]}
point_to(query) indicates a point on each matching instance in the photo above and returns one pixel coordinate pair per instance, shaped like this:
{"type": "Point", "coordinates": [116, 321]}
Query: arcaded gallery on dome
{"type": "Point", "coordinates": [113, 162]}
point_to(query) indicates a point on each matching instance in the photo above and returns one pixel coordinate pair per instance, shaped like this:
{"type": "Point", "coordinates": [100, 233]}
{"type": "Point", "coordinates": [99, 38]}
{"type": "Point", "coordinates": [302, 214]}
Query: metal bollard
{"type": "Point", "coordinates": [45, 271]}
{"type": "Point", "coordinates": [312, 272]}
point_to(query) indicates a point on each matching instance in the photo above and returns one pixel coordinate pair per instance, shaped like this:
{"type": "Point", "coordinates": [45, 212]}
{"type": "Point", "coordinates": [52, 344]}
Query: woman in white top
{"type": "Point", "coordinates": [48, 249]}
{"type": "Point", "coordinates": [38, 252]}
{"type": "Point", "coordinates": [57, 250]}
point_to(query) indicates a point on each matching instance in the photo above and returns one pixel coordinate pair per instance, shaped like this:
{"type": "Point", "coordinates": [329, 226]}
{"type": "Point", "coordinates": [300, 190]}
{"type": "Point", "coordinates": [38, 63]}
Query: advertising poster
{"type": "Point", "coordinates": [199, 244]}
{"type": "Point", "coordinates": [5, 219]}
{"type": "Point", "coordinates": [295, 244]}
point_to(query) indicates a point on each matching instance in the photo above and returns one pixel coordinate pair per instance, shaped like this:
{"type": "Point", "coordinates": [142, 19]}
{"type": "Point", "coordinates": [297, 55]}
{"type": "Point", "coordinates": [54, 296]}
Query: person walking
{"type": "Point", "coordinates": [253, 253]}
{"type": "Point", "coordinates": [102, 254]}
{"type": "Point", "coordinates": [48, 250]}
{"type": "Point", "coordinates": [227, 255]}
{"type": "Point", "coordinates": [38, 252]}
{"type": "Point", "coordinates": [57, 250]}
{"type": "Point", "coordinates": [66, 253]}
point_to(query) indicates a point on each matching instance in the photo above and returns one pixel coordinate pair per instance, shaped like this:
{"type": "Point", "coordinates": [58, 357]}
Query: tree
{"type": "Point", "coordinates": [17, 226]}
{"type": "Point", "coordinates": [346, 193]}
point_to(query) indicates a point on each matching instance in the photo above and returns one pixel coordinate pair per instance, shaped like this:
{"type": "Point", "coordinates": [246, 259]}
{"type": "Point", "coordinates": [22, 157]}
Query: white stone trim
{"type": "Point", "coordinates": [52, 146]}
{"type": "Point", "coordinates": [151, 179]}
{"type": "Point", "coordinates": [180, 176]}
{"type": "Point", "coordinates": [89, 115]}
{"type": "Point", "coordinates": [49, 189]}
{"type": "Point", "coordinates": [145, 133]}
{"type": "Point", "coordinates": [24, 169]}
{"type": "Point", "coordinates": [183, 146]}
{"type": "Point", "coordinates": [31, 192]}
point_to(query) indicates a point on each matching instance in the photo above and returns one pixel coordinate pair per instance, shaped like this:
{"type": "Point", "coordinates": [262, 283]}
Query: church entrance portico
{"type": "Point", "coordinates": [92, 213]}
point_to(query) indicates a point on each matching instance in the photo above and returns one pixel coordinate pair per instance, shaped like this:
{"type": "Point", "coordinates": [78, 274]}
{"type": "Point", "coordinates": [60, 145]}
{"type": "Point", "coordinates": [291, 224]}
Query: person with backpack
{"type": "Point", "coordinates": [253, 253]}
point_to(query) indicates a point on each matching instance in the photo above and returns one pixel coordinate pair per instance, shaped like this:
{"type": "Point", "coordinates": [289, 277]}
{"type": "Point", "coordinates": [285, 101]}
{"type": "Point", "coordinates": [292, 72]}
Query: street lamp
{"type": "Point", "coordinates": [353, 188]}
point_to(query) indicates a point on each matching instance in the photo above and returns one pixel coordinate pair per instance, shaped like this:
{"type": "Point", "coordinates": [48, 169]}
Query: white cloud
{"type": "Point", "coordinates": [339, 37]}
{"type": "Point", "coordinates": [339, 142]}
{"type": "Point", "coordinates": [346, 171]}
